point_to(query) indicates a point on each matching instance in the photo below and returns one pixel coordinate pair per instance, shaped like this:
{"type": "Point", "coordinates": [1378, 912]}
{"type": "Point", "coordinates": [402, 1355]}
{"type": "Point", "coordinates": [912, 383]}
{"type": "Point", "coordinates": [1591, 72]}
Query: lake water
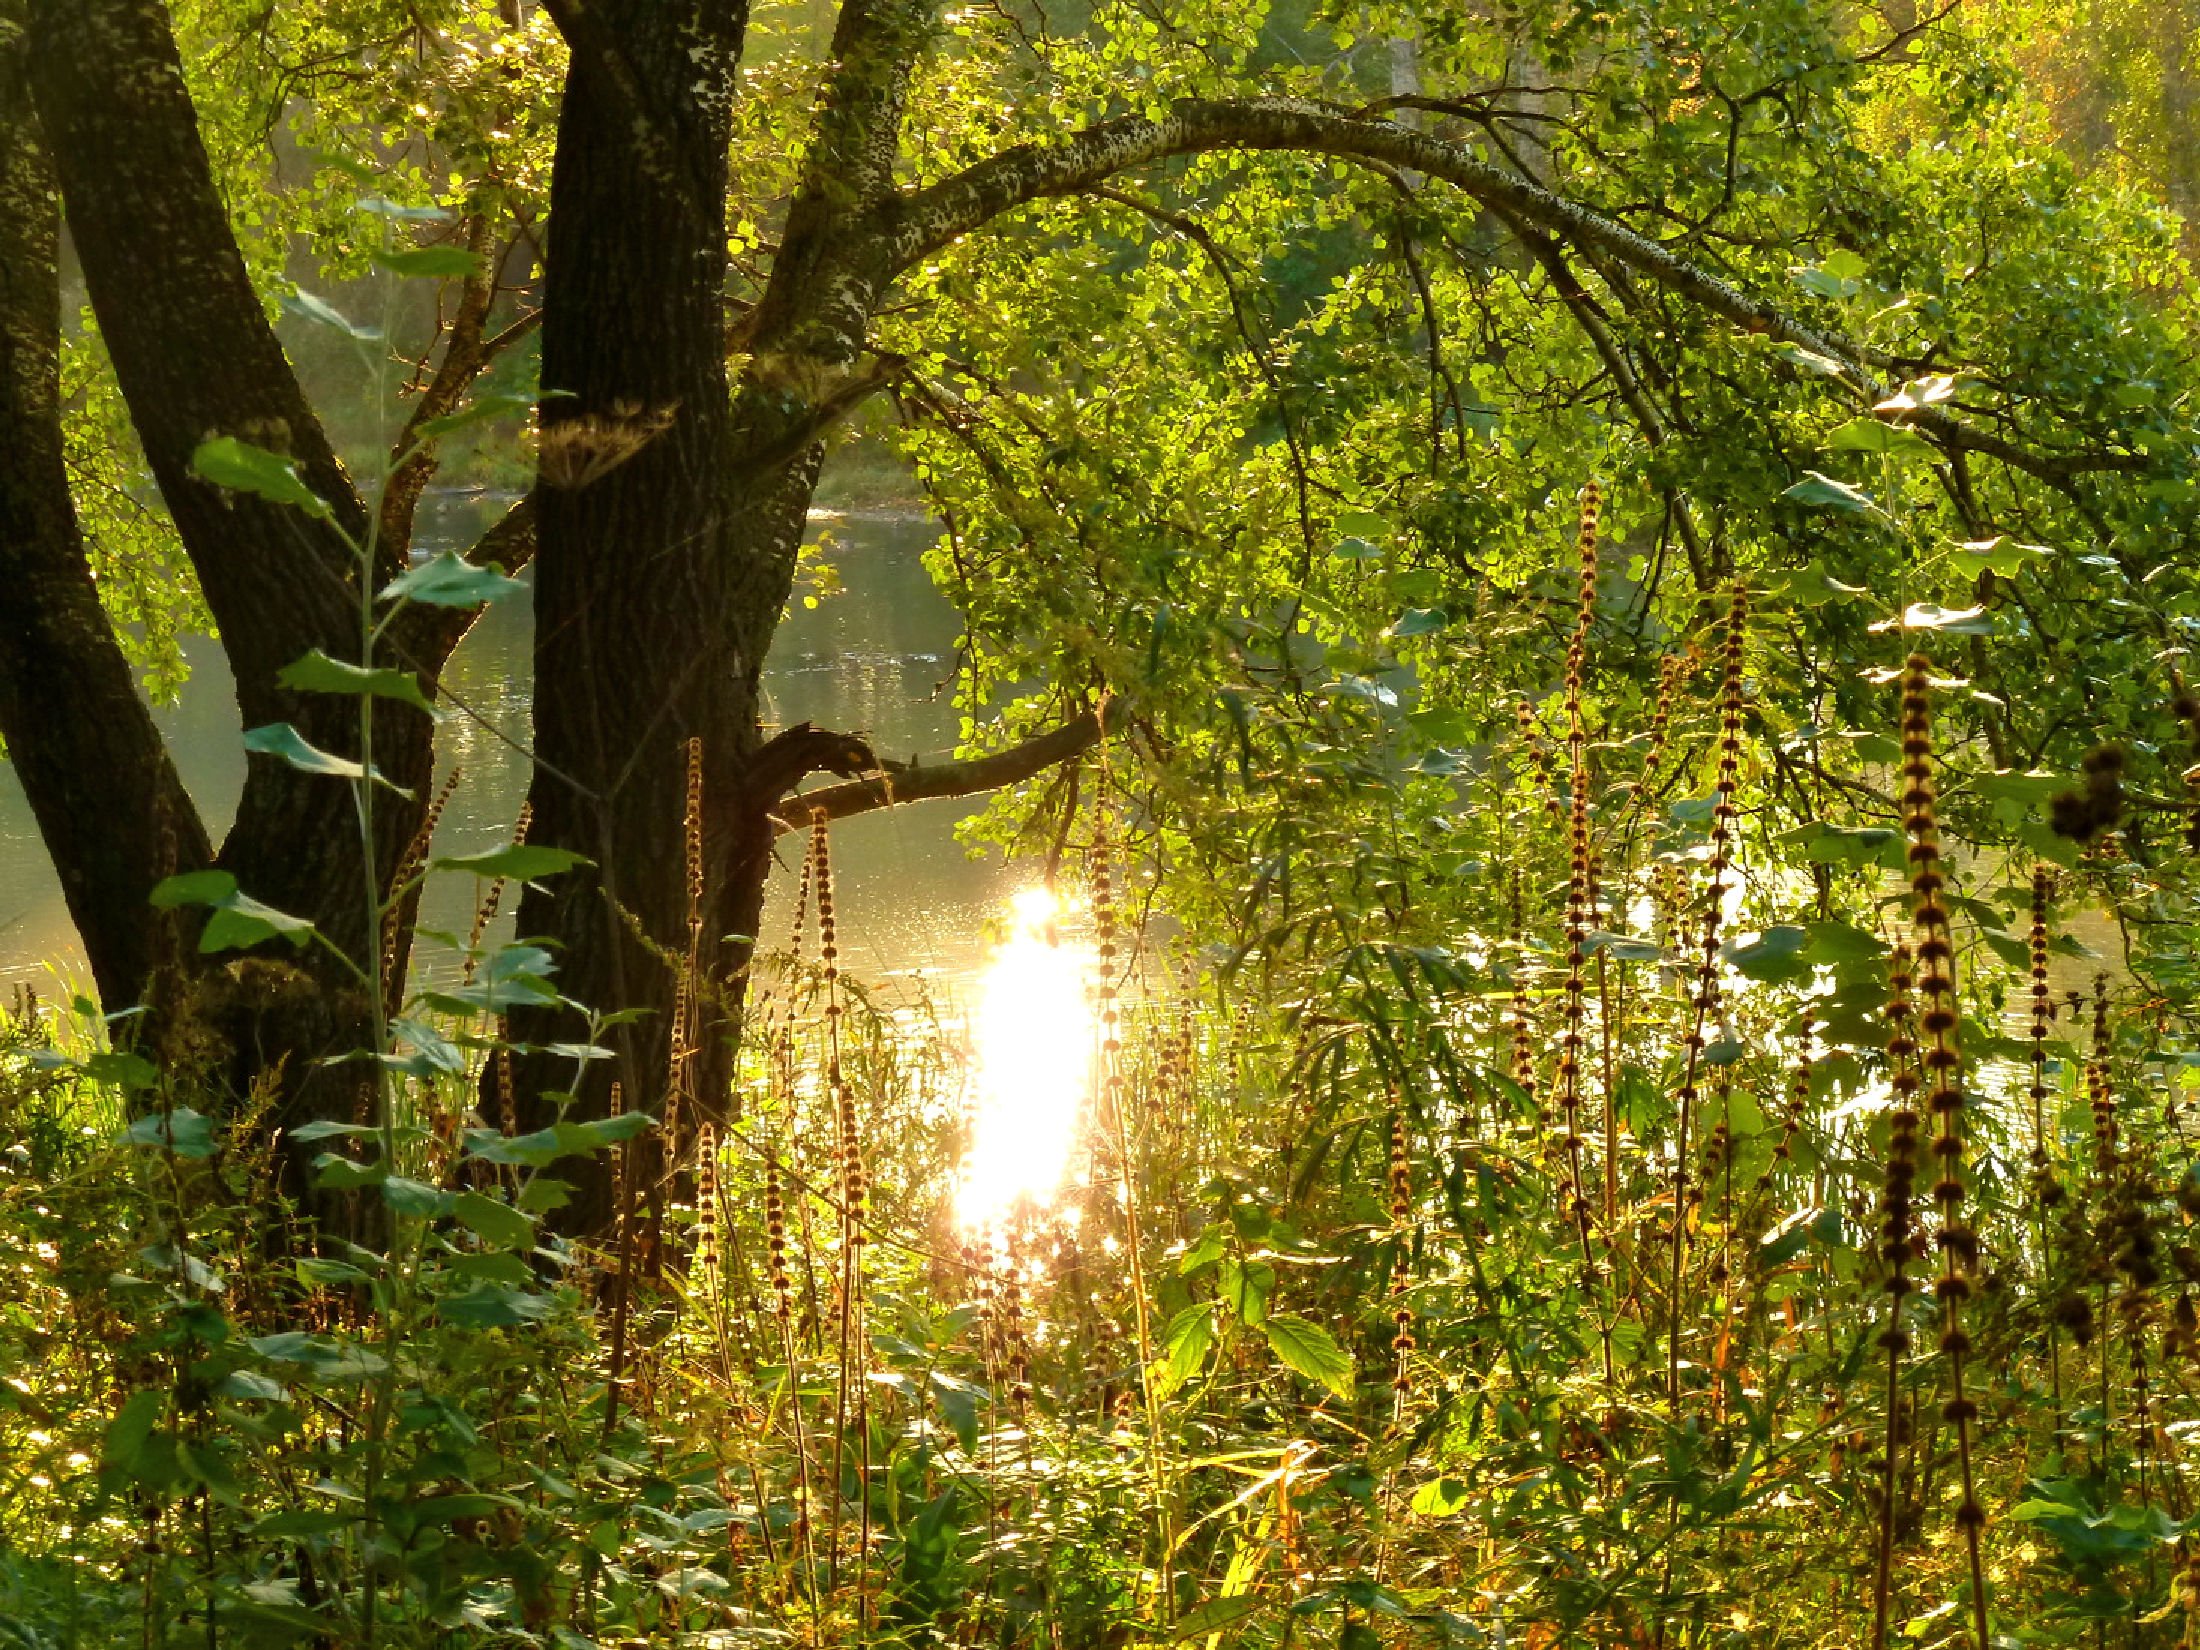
{"type": "Point", "coordinates": [877, 658]}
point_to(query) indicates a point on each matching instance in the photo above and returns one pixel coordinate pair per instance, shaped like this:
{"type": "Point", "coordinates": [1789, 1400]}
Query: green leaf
{"type": "Point", "coordinates": [281, 740]}
{"type": "Point", "coordinates": [1184, 1347]}
{"type": "Point", "coordinates": [321, 312]}
{"type": "Point", "coordinates": [1419, 621]}
{"type": "Point", "coordinates": [1310, 1350]}
{"type": "Point", "coordinates": [383, 208]}
{"type": "Point", "coordinates": [1776, 954]}
{"type": "Point", "coordinates": [435, 262]}
{"type": "Point", "coordinates": [316, 672]}
{"type": "Point", "coordinates": [1621, 947]}
{"type": "Point", "coordinates": [522, 862]}
{"type": "Point", "coordinates": [1958, 621]}
{"type": "Point", "coordinates": [1872, 435]}
{"type": "Point", "coordinates": [182, 1131]}
{"type": "Point", "coordinates": [1214, 1615]}
{"type": "Point", "coordinates": [415, 1197]}
{"type": "Point", "coordinates": [250, 1383]}
{"type": "Point", "coordinates": [1205, 1249]}
{"type": "Point", "coordinates": [497, 1224]}
{"type": "Point", "coordinates": [1833, 943]}
{"type": "Point", "coordinates": [193, 888]}
{"type": "Point", "coordinates": [324, 1356]}
{"type": "Point", "coordinates": [1440, 1498]}
{"type": "Point", "coordinates": [1244, 1287]}
{"type": "Point", "coordinates": [1808, 360]}
{"type": "Point", "coordinates": [450, 580]}
{"type": "Point", "coordinates": [244, 468]}
{"type": "Point", "coordinates": [1823, 492]}
{"type": "Point", "coordinates": [478, 411]}
{"type": "Point", "coordinates": [546, 1146]}
{"type": "Point", "coordinates": [495, 1306]}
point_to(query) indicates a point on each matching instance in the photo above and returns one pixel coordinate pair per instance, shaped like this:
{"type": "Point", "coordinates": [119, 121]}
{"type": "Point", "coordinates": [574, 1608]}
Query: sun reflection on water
{"type": "Point", "coordinates": [1032, 1036]}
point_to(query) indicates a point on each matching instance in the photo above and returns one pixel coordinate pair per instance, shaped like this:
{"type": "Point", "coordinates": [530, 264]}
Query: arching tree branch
{"type": "Point", "coordinates": [918, 225]}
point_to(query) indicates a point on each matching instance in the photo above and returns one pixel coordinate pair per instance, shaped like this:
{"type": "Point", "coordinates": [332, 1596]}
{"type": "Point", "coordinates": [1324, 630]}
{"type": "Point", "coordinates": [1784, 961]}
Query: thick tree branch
{"type": "Point", "coordinates": [918, 225]}
{"type": "Point", "coordinates": [931, 782]}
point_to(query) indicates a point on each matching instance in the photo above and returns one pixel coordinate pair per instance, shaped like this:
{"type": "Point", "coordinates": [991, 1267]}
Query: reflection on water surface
{"type": "Point", "coordinates": [875, 659]}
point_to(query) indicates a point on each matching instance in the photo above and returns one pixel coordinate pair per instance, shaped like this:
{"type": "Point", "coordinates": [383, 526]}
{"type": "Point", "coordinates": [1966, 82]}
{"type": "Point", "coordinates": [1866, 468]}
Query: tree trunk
{"type": "Point", "coordinates": [640, 532]}
{"type": "Point", "coordinates": [99, 780]}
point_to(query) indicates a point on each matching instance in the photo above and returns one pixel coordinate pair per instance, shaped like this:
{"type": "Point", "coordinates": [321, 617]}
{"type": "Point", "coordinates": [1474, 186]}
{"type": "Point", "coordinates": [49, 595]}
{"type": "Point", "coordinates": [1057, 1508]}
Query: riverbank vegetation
{"type": "Point", "coordinates": [1580, 620]}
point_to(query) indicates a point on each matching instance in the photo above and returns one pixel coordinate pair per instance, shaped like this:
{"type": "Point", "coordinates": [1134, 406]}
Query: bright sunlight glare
{"type": "Point", "coordinates": [1032, 1035]}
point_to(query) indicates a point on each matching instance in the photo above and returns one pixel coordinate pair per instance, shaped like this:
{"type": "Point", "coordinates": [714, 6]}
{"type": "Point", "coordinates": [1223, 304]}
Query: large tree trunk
{"type": "Point", "coordinates": [195, 357]}
{"type": "Point", "coordinates": [640, 529]}
{"type": "Point", "coordinates": [99, 780]}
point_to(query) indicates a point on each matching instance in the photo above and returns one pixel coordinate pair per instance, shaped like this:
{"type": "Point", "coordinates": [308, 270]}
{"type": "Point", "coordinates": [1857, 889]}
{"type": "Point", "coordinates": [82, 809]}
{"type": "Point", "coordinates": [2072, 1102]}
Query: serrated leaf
{"type": "Point", "coordinates": [1808, 360]}
{"type": "Point", "coordinates": [450, 580]}
{"type": "Point", "coordinates": [244, 468]}
{"type": "Point", "coordinates": [1440, 1498]}
{"type": "Point", "coordinates": [316, 672]}
{"type": "Point", "coordinates": [1185, 1344]}
{"type": "Point", "coordinates": [250, 1383]}
{"type": "Point", "coordinates": [1310, 1350]}
{"type": "Point", "coordinates": [1775, 954]}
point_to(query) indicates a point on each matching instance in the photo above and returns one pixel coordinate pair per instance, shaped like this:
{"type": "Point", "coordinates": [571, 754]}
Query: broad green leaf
{"type": "Point", "coordinates": [244, 468]}
{"type": "Point", "coordinates": [1958, 621]}
{"type": "Point", "coordinates": [435, 262]}
{"type": "Point", "coordinates": [1310, 1350]}
{"type": "Point", "coordinates": [1214, 1615]}
{"type": "Point", "coordinates": [1776, 954]}
{"type": "Point", "coordinates": [1184, 1347]}
{"type": "Point", "coordinates": [1823, 492]}
{"type": "Point", "coordinates": [321, 312]}
{"type": "Point", "coordinates": [182, 1131]}
{"type": "Point", "coordinates": [415, 1197]}
{"type": "Point", "coordinates": [523, 862]}
{"type": "Point", "coordinates": [1440, 1498]}
{"type": "Point", "coordinates": [497, 1224]}
{"type": "Point", "coordinates": [1873, 435]}
{"type": "Point", "coordinates": [324, 1356]}
{"type": "Point", "coordinates": [316, 672]}
{"type": "Point", "coordinates": [281, 740]}
{"type": "Point", "coordinates": [478, 411]}
{"type": "Point", "coordinates": [450, 580]}
{"type": "Point", "coordinates": [193, 888]}
{"type": "Point", "coordinates": [495, 1306]}
{"type": "Point", "coordinates": [385, 208]}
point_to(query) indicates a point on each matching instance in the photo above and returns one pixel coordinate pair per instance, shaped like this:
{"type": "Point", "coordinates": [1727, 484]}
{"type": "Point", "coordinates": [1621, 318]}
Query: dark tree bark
{"type": "Point", "coordinates": [106, 796]}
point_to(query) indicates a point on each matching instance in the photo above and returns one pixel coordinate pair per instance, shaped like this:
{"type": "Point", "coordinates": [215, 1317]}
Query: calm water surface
{"type": "Point", "coordinates": [876, 658]}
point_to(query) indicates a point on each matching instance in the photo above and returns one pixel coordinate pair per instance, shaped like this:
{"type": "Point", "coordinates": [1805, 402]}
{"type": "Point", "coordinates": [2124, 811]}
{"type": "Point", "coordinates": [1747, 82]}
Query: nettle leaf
{"type": "Point", "coordinates": [182, 1131]}
{"type": "Point", "coordinates": [522, 862]}
{"type": "Point", "coordinates": [1310, 1350]}
{"type": "Point", "coordinates": [1823, 492]}
{"type": "Point", "coordinates": [1185, 1345]}
{"type": "Point", "coordinates": [1419, 621]}
{"type": "Point", "coordinates": [316, 672]}
{"type": "Point", "coordinates": [244, 468]}
{"type": "Point", "coordinates": [450, 580]}
{"type": "Point", "coordinates": [1244, 1287]}
{"type": "Point", "coordinates": [1621, 947]}
{"type": "Point", "coordinates": [434, 262]}
{"type": "Point", "coordinates": [1214, 1615]}
{"type": "Point", "coordinates": [1809, 360]}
